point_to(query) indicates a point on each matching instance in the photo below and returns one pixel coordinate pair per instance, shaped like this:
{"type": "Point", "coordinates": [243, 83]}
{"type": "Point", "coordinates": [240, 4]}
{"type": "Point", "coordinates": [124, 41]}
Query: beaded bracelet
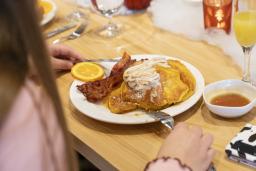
{"type": "Point", "coordinates": [165, 159]}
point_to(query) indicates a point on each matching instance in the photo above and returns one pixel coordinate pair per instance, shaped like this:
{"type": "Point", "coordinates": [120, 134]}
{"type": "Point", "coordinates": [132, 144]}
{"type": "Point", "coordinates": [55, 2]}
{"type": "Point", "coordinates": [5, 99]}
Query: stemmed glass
{"type": "Point", "coordinates": [245, 31]}
{"type": "Point", "coordinates": [108, 8]}
{"type": "Point", "coordinates": [76, 15]}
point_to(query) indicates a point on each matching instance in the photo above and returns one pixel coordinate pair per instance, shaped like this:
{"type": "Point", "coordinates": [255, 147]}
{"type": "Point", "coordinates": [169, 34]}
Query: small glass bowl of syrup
{"type": "Point", "coordinates": [230, 98]}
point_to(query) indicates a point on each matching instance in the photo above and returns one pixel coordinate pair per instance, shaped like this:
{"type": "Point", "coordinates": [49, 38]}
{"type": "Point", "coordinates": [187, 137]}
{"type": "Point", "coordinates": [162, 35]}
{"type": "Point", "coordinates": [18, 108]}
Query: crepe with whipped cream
{"type": "Point", "coordinates": [152, 85]}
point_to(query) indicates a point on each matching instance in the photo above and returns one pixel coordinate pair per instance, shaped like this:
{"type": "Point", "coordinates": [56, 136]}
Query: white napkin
{"type": "Point", "coordinates": [184, 17]}
{"type": "Point", "coordinates": [83, 3]}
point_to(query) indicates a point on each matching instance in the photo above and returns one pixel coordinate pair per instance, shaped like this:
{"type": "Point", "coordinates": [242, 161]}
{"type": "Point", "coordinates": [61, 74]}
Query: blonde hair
{"type": "Point", "coordinates": [21, 39]}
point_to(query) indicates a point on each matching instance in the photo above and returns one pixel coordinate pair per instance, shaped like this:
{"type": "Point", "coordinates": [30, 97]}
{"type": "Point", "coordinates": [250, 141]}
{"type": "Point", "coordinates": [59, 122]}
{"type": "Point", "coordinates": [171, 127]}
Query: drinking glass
{"type": "Point", "coordinates": [217, 14]}
{"type": "Point", "coordinates": [76, 15]}
{"type": "Point", "coordinates": [245, 31]}
{"type": "Point", "coordinates": [108, 8]}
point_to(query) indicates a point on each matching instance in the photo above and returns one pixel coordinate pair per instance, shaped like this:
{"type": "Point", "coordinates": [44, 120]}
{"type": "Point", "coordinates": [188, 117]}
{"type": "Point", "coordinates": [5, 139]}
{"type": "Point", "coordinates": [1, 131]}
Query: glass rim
{"type": "Point", "coordinates": [216, 3]}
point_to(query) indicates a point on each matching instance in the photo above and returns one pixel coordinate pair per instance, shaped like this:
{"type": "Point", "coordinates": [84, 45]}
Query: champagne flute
{"type": "Point", "coordinates": [108, 8]}
{"type": "Point", "coordinates": [245, 31]}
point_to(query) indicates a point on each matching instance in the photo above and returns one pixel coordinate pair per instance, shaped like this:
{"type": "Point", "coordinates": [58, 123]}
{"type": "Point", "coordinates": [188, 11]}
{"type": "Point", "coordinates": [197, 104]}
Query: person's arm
{"type": "Point", "coordinates": [186, 148]}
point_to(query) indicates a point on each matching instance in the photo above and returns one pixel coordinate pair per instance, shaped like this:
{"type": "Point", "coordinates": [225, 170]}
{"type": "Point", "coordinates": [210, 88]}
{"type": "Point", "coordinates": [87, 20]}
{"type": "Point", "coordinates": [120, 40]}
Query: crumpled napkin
{"type": "Point", "coordinates": [184, 17]}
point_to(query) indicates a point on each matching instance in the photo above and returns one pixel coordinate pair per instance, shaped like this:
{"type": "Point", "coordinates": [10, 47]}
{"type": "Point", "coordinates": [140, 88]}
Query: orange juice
{"type": "Point", "coordinates": [245, 28]}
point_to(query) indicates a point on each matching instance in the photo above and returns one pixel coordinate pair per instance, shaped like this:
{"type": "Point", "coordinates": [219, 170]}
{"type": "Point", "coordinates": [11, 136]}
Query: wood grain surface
{"type": "Point", "coordinates": [126, 147]}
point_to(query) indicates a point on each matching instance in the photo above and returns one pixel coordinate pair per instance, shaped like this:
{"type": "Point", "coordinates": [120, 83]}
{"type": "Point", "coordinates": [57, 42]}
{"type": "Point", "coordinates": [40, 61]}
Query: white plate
{"type": "Point", "coordinates": [102, 113]}
{"type": "Point", "coordinates": [51, 14]}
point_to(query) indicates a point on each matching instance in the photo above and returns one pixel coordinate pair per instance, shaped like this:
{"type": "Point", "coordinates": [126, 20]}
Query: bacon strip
{"type": "Point", "coordinates": [97, 90]}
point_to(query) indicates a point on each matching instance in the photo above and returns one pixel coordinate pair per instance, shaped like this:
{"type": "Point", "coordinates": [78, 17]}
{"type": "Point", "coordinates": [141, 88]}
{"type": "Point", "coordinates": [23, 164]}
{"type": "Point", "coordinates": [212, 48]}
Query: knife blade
{"type": "Point", "coordinates": [60, 30]}
{"type": "Point", "coordinates": [100, 60]}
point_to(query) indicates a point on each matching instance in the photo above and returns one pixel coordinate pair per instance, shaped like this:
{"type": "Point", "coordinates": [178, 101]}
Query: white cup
{"type": "Point", "coordinates": [229, 86]}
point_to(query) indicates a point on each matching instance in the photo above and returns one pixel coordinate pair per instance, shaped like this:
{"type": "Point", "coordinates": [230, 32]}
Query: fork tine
{"type": "Point", "coordinates": [169, 123]}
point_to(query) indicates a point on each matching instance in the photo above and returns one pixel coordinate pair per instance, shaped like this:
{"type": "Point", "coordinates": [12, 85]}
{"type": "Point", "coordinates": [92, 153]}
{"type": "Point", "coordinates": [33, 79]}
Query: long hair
{"type": "Point", "coordinates": [20, 41]}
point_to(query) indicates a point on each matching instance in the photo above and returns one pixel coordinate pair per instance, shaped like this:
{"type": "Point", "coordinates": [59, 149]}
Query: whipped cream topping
{"type": "Point", "coordinates": [143, 77]}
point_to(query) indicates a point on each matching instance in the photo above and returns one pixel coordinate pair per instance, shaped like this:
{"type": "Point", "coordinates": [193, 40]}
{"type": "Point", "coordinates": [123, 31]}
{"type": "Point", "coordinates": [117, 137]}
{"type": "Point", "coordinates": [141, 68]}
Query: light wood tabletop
{"type": "Point", "coordinates": [130, 147]}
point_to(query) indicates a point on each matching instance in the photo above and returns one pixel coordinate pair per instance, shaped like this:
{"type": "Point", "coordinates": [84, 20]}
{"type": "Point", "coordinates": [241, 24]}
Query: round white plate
{"type": "Point", "coordinates": [50, 15]}
{"type": "Point", "coordinates": [100, 112]}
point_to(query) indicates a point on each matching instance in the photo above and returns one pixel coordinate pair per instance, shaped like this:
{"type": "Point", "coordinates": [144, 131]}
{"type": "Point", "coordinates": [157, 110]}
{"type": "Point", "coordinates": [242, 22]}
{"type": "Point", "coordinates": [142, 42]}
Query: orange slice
{"type": "Point", "coordinates": [87, 71]}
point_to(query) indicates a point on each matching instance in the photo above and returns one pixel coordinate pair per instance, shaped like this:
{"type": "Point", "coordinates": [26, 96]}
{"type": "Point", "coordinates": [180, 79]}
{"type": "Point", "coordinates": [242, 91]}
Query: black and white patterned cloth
{"type": "Point", "coordinates": [242, 147]}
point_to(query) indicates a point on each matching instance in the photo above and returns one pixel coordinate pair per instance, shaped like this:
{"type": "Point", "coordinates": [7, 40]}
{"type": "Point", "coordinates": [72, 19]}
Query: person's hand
{"type": "Point", "coordinates": [63, 57]}
{"type": "Point", "coordinates": [190, 145]}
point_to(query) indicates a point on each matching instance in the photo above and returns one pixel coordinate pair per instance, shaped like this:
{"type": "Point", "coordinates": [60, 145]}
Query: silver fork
{"type": "Point", "coordinates": [75, 34]}
{"type": "Point", "coordinates": [166, 119]}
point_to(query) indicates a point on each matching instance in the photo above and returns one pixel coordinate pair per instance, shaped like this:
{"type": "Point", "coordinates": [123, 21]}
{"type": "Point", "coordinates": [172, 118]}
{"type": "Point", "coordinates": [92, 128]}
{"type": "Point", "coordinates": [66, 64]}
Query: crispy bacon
{"type": "Point", "coordinates": [97, 90]}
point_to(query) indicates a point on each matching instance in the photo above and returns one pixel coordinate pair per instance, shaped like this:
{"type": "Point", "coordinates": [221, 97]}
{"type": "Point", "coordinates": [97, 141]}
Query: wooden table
{"type": "Point", "coordinates": [129, 148]}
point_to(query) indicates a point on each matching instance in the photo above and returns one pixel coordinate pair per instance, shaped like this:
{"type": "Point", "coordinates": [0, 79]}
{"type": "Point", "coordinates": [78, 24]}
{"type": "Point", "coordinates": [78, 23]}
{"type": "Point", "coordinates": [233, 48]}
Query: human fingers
{"type": "Point", "coordinates": [65, 52]}
{"type": "Point", "coordinates": [206, 141]}
{"type": "Point", "coordinates": [207, 162]}
{"type": "Point", "coordinates": [61, 64]}
{"type": "Point", "coordinates": [196, 130]}
{"type": "Point", "coordinates": [211, 153]}
{"type": "Point", "coordinates": [70, 53]}
{"type": "Point", "coordinates": [180, 130]}
{"type": "Point", "coordinates": [181, 125]}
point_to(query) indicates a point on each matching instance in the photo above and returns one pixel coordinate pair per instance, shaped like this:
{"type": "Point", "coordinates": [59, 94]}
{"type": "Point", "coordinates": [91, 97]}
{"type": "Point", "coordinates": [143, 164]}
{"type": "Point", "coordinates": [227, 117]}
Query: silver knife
{"type": "Point", "coordinates": [60, 30]}
{"type": "Point", "coordinates": [100, 60]}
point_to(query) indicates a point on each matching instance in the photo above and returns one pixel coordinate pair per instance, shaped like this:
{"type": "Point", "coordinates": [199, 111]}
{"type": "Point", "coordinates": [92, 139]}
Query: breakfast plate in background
{"type": "Point", "coordinates": [100, 112]}
{"type": "Point", "coordinates": [49, 9]}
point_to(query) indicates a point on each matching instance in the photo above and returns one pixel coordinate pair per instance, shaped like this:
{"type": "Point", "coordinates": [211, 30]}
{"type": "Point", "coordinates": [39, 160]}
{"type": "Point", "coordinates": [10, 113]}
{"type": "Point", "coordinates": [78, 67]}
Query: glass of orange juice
{"type": "Point", "coordinates": [244, 22]}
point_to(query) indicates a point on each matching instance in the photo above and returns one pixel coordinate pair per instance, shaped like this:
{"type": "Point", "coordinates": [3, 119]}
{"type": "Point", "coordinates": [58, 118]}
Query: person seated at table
{"type": "Point", "coordinates": [33, 131]}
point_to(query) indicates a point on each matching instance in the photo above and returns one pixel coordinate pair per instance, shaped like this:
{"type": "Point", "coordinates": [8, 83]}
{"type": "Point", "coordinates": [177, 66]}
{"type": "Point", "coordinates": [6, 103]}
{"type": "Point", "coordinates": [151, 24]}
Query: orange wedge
{"type": "Point", "coordinates": [87, 71]}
